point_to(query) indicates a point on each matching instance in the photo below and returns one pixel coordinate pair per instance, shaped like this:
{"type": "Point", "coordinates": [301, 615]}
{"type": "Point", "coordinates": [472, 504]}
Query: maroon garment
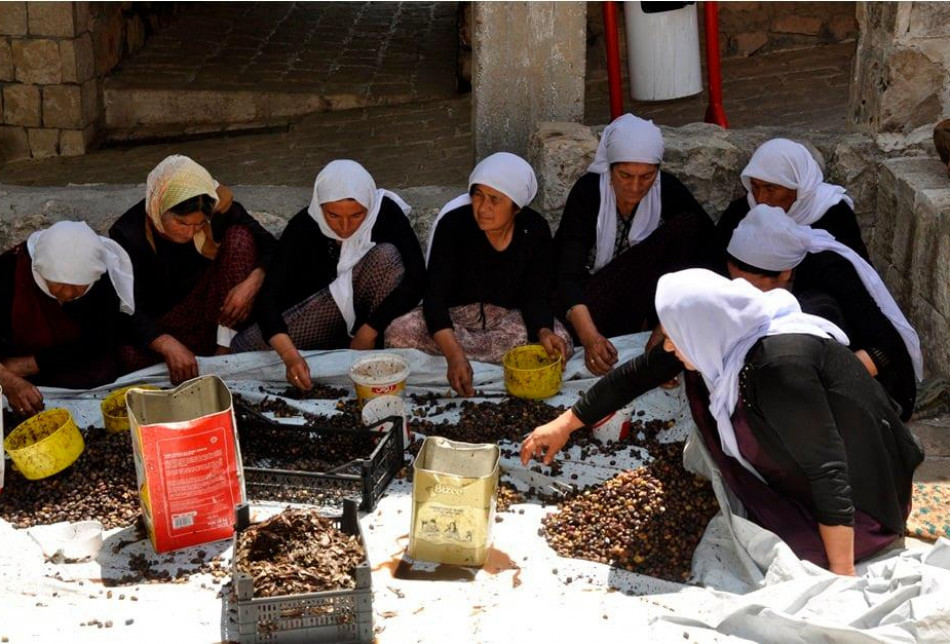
{"type": "Point", "coordinates": [38, 321]}
{"type": "Point", "coordinates": [73, 343]}
{"type": "Point", "coordinates": [781, 506]}
{"type": "Point", "coordinates": [194, 320]}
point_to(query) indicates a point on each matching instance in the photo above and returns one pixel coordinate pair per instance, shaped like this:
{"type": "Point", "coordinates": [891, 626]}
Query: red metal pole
{"type": "Point", "coordinates": [715, 113]}
{"type": "Point", "coordinates": [613, 59]}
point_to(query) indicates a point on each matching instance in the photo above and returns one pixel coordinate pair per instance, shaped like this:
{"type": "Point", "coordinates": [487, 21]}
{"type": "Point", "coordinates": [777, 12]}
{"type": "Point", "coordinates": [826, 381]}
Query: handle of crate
{"type": "Point", "coordinates": [351, 516]}
{"type": "Point", "coordinates": [242, 517]}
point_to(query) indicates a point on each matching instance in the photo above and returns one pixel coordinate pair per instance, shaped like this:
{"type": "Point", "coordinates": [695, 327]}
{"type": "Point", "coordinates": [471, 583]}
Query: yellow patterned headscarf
{"type": "Point", "coordinates": [174, 180]}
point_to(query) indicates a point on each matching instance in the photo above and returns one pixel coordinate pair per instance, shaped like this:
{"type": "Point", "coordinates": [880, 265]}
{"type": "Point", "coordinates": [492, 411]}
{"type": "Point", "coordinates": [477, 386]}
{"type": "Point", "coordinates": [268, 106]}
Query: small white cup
{"type": "Point", "coordinates": [80, 541]}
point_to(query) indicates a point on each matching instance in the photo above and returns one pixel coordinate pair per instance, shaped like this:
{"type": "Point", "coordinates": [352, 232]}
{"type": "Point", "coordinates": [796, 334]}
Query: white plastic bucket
{"type": "Point", "coordinates": [663, 53]}
{"type": "Point", "coordinates": [379, 374]}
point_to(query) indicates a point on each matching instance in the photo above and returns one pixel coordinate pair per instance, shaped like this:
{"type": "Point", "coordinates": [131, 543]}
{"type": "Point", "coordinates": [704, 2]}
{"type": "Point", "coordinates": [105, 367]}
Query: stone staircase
{"type": "Point", "coordinates": [225, 67]}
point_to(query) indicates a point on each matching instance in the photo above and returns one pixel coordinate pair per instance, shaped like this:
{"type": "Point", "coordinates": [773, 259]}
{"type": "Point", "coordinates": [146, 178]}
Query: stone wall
{"type": "Point", "coordinates": [911, 250]}
{"type": "Point", "coordinates": [53, 56]}
{"type": "Point", "coordinates": [901, 77]}
{"type": "Point", "coordinates": [747, 28]}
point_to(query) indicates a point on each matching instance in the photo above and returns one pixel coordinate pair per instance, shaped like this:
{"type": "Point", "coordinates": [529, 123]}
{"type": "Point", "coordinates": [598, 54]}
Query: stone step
{"type": "Point", "coordinates": [135, 113]}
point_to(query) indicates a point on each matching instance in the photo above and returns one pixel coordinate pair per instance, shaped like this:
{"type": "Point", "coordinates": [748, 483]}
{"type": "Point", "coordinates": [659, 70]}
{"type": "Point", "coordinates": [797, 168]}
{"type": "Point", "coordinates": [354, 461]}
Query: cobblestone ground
{"type": "Point", "coordinates": [368, 49]}
{"type": "Point", "coordinates": [807, 88]}
{"type": "Point", "coordinates": [430, 143]}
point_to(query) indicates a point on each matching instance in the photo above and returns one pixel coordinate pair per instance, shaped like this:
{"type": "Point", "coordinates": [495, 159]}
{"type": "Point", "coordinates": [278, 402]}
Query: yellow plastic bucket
{"type": "Point", "coordinates": [531, 373]}
{"type": "Point", "coordinates": [379, 374]}
{"type": "Point", "coordinates": [45, 444]}
{"type": "Point", "coordinates": [114, 413]}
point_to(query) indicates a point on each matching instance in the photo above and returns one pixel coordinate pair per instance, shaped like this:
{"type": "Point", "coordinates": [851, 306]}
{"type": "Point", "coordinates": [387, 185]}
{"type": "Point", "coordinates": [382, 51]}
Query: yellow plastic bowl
{"type": "Point", "coordinates": [115, 415]}
{"type": "Point", "coordinates": [45, 444]}
{"type": "Point", "coordinates": [531, 373]}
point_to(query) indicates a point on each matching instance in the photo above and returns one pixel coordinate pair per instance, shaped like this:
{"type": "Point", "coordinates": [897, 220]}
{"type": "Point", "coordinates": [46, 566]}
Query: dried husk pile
{"type": "Point", "coordinates": [648, 520]}
{"type": "Point", "coordinates": [298, 551]}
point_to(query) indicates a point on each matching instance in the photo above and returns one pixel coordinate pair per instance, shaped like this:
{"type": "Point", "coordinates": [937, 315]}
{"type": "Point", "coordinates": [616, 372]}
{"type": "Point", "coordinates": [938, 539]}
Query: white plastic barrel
{"type": "Point", "coordinates": [663, 52]}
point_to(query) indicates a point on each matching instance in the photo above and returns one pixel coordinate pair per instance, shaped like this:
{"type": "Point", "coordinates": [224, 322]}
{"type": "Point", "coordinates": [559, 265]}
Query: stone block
{"type": "Point", "coordinates": [107, 38]}
{"type": "Point", "coordinates": [62, 106]}
{"type": "Point", "coordinates": [934, 332]}
{"type": "Point", "coordinates": [44, 143]}
{"type": "Point", "coordinates": [21, 105]}
{"type": "Point", "coordinates": [83, 17]}
{"type": "Point", "coordinates": [910, 100]}
{"type": "Point", "coordinates": [559, 154]}
{"type": "Point", "coordinates": [90, 101]}
{"type": "Point", "coordinates": [37, 61]}
{"type": "Point", "coordinates": [51, 19]}
{"type": "Point", "coordinates": [929, 20]}
{"type": "Point", "coordinates": [79, 64]}
{"type": "Point", "coordinates": [924, 265]}
{"type": "Point", "coordinates": [6, 60]}
{"type": "Point", "coordinates": [844, 27]}
{"type": "Point", "coordinates": [135, 34]}
{"type": "Point", "coordinates": [14, 143]}
{"type": "Point", "coordinates": [887, 208]}
{"type": "Point", "coordinates": [853, 163]}
{"type": "Point", "coordinates": [13, 21]}
{"type": "Point", "coordinates": [76, 142]}
{"type": "Point", "coordinates": [792, 24]}
{"type": "Point", "coordinates": [748, 43]}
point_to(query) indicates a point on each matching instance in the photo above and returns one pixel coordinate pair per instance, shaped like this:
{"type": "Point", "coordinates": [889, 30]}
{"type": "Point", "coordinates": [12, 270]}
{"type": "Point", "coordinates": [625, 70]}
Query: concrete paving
{"type": "Point", "coordinates": [430, 143]}
{"type": "Point", "coordinates": [934, 434]}
{"type": "Point", "coordinates": [804, 88]}
{"type": "Point", "coordinates": [262, 61]}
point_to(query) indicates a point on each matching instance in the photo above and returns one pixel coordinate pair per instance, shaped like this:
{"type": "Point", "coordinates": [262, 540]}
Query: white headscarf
{"type": "Point", "coordinates": [70, 252]}
{"type": "Point", "coordinates": [767, 239]}
{"type": "Point", "coordinates": [714, 322]}
{"type": "Point", "coordinates": [505, 172]}
{"type": "Point", "coordinates": [628, 139]}
{"type": "Point", "coordinates": [790, 164]}
{"type": "Point", "coordinates": [345, 179]}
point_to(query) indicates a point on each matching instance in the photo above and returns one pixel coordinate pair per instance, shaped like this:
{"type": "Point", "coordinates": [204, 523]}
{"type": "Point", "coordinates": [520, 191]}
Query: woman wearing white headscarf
{"type": "Point", "coordinates": [770, 250]}
{"type": "Point", "coordinates": [624, 202]}
{"type": "Point", "coordinates": [488, 277]}
{"type": "Point", "coordinates": [62, 320]}
{"type": "Point", "coordinates": [199, 261]}
{"type": "Point", "coordinates": [346, 266]}
{"type": "Point", "coordinates": [783, 174]}
{"type": "Point", "coordinates": [802, 435]}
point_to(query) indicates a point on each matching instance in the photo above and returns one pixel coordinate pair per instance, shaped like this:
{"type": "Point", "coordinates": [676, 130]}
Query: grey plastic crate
{"type": "Point", "coordinates": [342, 616]}
{"type": "Point", "coordinates": [365, 478]}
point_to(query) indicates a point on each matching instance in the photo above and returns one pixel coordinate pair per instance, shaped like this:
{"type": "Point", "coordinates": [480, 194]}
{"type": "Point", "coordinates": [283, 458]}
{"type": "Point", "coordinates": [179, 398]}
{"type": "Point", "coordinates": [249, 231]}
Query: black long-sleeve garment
{"type": "Point", "coordinates": [464, 268]}
{"type": "Point", "coordinates": [164, 276]}
{"type": "Point", "coordinates": [839, 220]}
{"type": "Point", "coordinates": [305, 263]}
{"type": "Point", "coordinates": [576, 235]}
{"type": "Point", "coordinates": [861, 318]}
{"type": "Point", "coordinates": [817, 415]}
{"type": "Point", "coordinates": [97, 315]}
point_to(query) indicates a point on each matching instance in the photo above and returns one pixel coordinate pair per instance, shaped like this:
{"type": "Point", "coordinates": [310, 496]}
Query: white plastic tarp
{"type": "Point", "coordinates": [752, 585]}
